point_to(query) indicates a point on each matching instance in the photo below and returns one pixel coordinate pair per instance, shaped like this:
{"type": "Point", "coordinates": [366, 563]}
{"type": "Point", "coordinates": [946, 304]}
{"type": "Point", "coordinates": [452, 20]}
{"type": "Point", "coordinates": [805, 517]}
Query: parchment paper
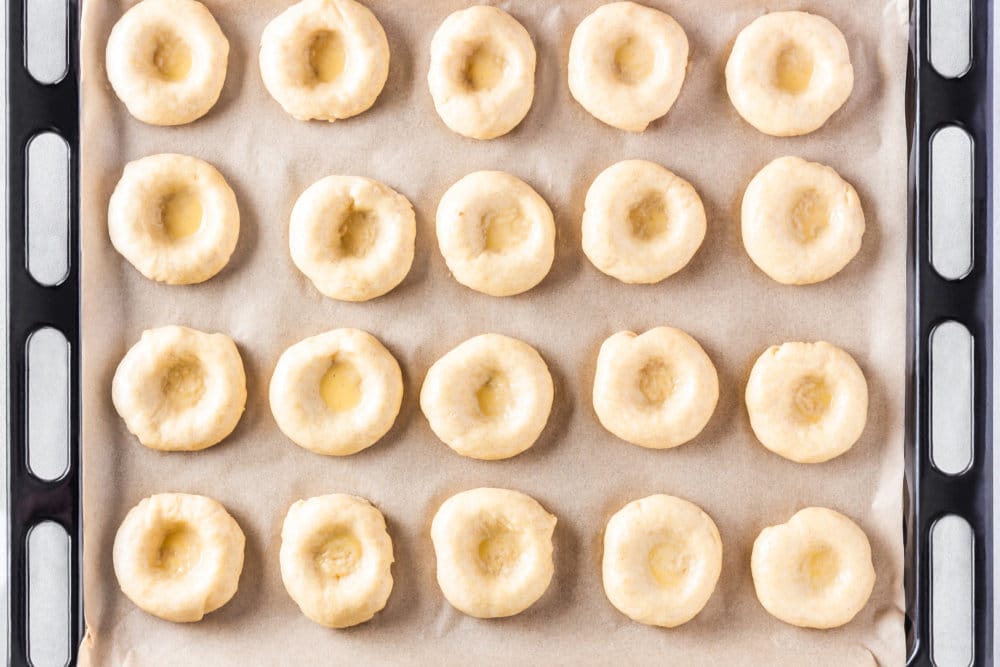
{"type": "Point", "coordinates": [577, 470]}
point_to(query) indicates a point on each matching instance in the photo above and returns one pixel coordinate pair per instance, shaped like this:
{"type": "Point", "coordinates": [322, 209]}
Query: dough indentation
{"type": "Point", "coordinates": [648, 218]}
{"type": "Point", "coordinates": [483, 68]}
{"type": "Point", "coordinates": [171, 57]}
{"type": "Point", "coordinates": [338, 555]}
{"type": "Point", "coordinates": [357, 232]}
{"type": "Point", "coordinates": [181, 214]}
{"type": "Point", "coordinates": [183, 384]}
{"type": "Point", "coordinates": [656, 382]}
{"type": "Point", "coordinates": [327, 56]}
{"type": "Point", "coordinates": [670, 561]}
{"type": "Point", "coordinates": [819, 567]}
{"type": "Point", "coordinates": [793, 68]}
{"type": "Point", "coordinates": [494, 396]}
{"type": "Point", "coordinates": [499, 550]}
{"type": "Point", "coordinates": [179, 551]}
{"type": "Point", "coordinates": [810, 216]}
{"type": "Point", "coordinates": [634, 60]}
{"type": "Point", "coordinates": [503, 229]}
{"type": "Point", "coordinates": [811, 398]}
{"type": "Point", "coordinates": [340, 386]}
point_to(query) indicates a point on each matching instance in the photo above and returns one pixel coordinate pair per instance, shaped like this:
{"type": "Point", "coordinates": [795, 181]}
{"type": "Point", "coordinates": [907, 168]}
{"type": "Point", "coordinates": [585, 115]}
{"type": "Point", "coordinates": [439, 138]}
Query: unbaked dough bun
{"type": "Point", "coordinates": [179, 389]}
{"type": "Point", "coordinates": [494, 551]}
{"type": "Point", "coordinates": [324, 59]}
{"type": "Point", "coordinates": [335, 559]}
{"type": "Point", "coordinates": [166, 61]}
{"type": "Point", "coordinates": [789, 72]}
{"type": "Point", "coordinates": [641, 223]}
{"type": "Point", "coordinates": [482, 72]}
{"type": "Point", "coordinates": [174, 218]}
{"type": "Point", "coordinates": [807, 402]}
{"type": "Point", "coordinates": [662, 560]}
{"type": "Point", "coordinates": [802, 223]}
{"type": "Point", "coordinates": [814, 571]}
{"type": "Point", "coordinates": [496, 233]}
{"type": "Point", "coordinates": [352, 237]}
{"type": "Point", "coordinates": [655, 390]}
{"type": "Point", "coordinates": [627, 64]}
{"type": "Point", "coordinates": [489, 398]}
{"type": "Point", "coordinates": [178, 556]}
{"type": "Point", "coordinates": [336, 393]}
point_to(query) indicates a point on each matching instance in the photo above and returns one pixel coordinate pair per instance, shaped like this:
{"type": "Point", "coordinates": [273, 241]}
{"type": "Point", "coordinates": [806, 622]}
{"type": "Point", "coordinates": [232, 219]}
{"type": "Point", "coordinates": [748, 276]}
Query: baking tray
{"type": "Point", "coordinates": [933, 102]}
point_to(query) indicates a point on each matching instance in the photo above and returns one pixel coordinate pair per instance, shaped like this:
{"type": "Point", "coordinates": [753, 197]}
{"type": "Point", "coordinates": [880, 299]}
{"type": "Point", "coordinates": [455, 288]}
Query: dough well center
{"type": "Point", "coordinates": [634, 60]}
{"type": "Point", "coordinates": [503, 229]}
{"type": "Point", "coordinates": [338, 555]}
{"type": "Point", "coordinates": [793, 68]}
{"type": "Point", "coordinates": [494, 396]}
{"type": "Point", "coordinates": [178, 552]}
{"type": "Point", "coordinates": [656, 382]}
{"type": "Point", "coordinates": [327, 56]}
{"type": "Point", "coordinates": [340, 386]}
{"type": "Point", "coordinates": [171, 57]}
{"type": "Point", "coordinates": [811, 399]}
{"type": "Point", "coordinates": [499, 550]}
{"type": "Point", "coordinates": [819, 567]}
{"type": "Point", "coordinates": [810, 216]}
{"type": "Point", "coordinates": [183, 384]}
{"type": "Point", "coordinates": [356, 233]}
{"type": "Point", "coordinates": [483, 69]}
{"type": "Point", "coordinates": [181, 214]}
{"type": "Point", "coordinates": [670, 562]}
{"type": "Point", "coordinates": [648, 219]}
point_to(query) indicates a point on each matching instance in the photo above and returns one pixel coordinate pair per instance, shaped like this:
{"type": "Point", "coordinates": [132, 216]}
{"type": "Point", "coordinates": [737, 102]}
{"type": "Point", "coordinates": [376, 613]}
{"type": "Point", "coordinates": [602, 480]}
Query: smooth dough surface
{"type": "Point", "coordinates": [496, 233]}
{"type": "Point", "coordinates": [494, 551]}
{"type": "Point", "coordinates": [166, 60]}
{"type": "Point", "coordinates": [807, 402]}
{"type": "Point", "coordinates": [662, 560]}
{"type": "Point", "coordinates": [627, 63]}
{"type": "Point", "coordinates": [336, 559]}
{"type": "Point", "coordinates": [655, 390]}
{"type": "Point", "coordinates": [482, 72]}
{"type": "Point", "coordinates": [641, 223]}
{"type": "Point", "coordinates": [789, 72]}
{"type": "Point", "coordinates": [488, 398]}
{"type": "Point", "coordinates": [814, 571]}
{"type": "Point", "coordinates": [179, 389]}
{"type": "Point", "coordinates": [178, 556]}
{"type": "Point", "coordinates": [801, 222]}
{"type": "Point", "coordinates": [336, 393]}
{"type": "Point", "coordinates": [324, 59]}
{"type": "Point", "coordinates": [174, 218]}
{"type": "Point", "coordinates": [352, 237]}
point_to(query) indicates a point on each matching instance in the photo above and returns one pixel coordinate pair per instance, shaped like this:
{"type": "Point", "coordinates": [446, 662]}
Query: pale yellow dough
{"type": "Point", "coordinates": [489, 398]}
{"type": "Point", "coordinates": [655, 390]}
{"type": "Point", "coordinates": [789, 72]}
{"type": "Point", "coordinates": [336, 393]}
{"type": "Point", "coordinates": [482, 72]}
{"type": "Point", "coordinates": [641, 223]}
{"type": "Point", "coordinates": [662, 560]}
{"type": "Point", "coordinates": [627, 64]}
{"type": "Point", "coordinates": [494, 551]}
{"type": "Point", "coordinates": [352, 237]}
{"type": "Point", "coordinates": [336, 558]}
{"type": "Point", "coordinates": [807, 402]}
{"type": "Point", "coordinates": [814, 571]}
{"type": "Point", "coordinates": [178, 556]}
{"type": "Point", "coordinates": [496, 233]}
{"type": "Point", "coordinates": [801, 222]}
{"type": "Point", "coordinates": [166, 60]}
{"type": "Point", "coordinates": [174, 218]}
{"type": "Point", "coordinates": [179, 389]}
{"type": "Point", "coordinates": [324, 59]}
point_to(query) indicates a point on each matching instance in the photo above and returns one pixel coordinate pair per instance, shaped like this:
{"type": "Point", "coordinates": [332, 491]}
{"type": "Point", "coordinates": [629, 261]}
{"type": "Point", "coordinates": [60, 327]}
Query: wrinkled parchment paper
{"type": "Point", "coordinates": [577, 470]}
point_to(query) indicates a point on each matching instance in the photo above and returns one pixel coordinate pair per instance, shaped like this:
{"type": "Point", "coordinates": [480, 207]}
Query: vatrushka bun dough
{"type": "Point", "coordinates": [807, 402]}
{"type": "Point", "coordinates": [494, 551]}
{"type": "Point", "coordinates": [655, 390]}
{"type": "Point", "coordinates": [789, 72]}
{"type": "Point", "coordinates": [336, 393]}
{"type": "Point", "coordinates": [166, 60]}
{"type": "Point", "coordinates": [180, 389]}
{"type": "Point", "coordinates": [627, 63]}
{"type": "Point", "coordinates": [335, 559]}
{"type": "Point", "coordinates": [324, 59]}
{"type": "Point", "coordinates": [662, 560]}
{"type": "Point", "coordinates": [814, 571]}
{"type": "Point", "coordinates": [178, 556]}
{"type": "Point", "coordinates": [174, 218]}
{"type": "Point", "coordinates": [482, 72]}
{"type": "Point", "coordinates": [488, 398]}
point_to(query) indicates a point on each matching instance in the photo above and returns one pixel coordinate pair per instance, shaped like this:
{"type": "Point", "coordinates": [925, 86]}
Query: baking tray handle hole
{"type": "Point", "coordinates": [952, 619]}
{"type": "Point", "coordinates": [952, 415]}
{"type": "Point", "coordinates": [48, 595]}
{"type": "Point", "coordinates": [48, 359]}
{"type": "Point", "coordinates": [47, 212]}
{"type": "Point", "coordinates": [951, 202]}
{"type": "Point", "coordinates": [951, 37]}
{"type": "Point", "coordinates": [45, 40]}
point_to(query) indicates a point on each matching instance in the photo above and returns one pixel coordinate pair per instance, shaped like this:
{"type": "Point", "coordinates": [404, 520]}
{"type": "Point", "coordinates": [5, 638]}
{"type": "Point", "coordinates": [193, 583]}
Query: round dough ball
{"type": "Point", "coordinates": [655, 390]}
{"type": "Point", "coordinates": [807, 402]}
{"type": "Point", "coordinates": [352, 237]}
{"type": "Point", "coordinates": [627, 64]}
{"type": "Point", "coordinates": [178, 556]}
{"type": "Point", "coordinates": [496, 233]}
{"type": "Point", "coordinates": [802, 223]}
{"type": "Point", "coordinates": [662, 560]}
{"type": "Point", "coordinates": [336, 393]}
{"type": "Point", "coordinates": [335, 559]}
{"type": "Point", "coordinates": [494, 551]}
{"type": "Point", "coordinates": [789, 72]}
{"type": "Point", "coordinates": [482, 72]}
{"type": "Point", "coordinates": [174, 218]}
{"type": "Point", "coordinates": [324, 59]}
{"type": "Point", "coordinates": [641, 223]}
{"type": "Point", "coordinates": [489, 398]}
{"type": "Point", "coordinates": [814, 571]}
{"type": "Point", "coordinates": [179, 389]}
{"type": "Point", "coordinates": [166, 60]}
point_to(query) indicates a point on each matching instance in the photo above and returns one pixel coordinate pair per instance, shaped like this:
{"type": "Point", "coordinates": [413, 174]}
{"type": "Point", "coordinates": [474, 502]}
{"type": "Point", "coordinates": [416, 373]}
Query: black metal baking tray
{"type": "Point", "coordinates": [933, 102]}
